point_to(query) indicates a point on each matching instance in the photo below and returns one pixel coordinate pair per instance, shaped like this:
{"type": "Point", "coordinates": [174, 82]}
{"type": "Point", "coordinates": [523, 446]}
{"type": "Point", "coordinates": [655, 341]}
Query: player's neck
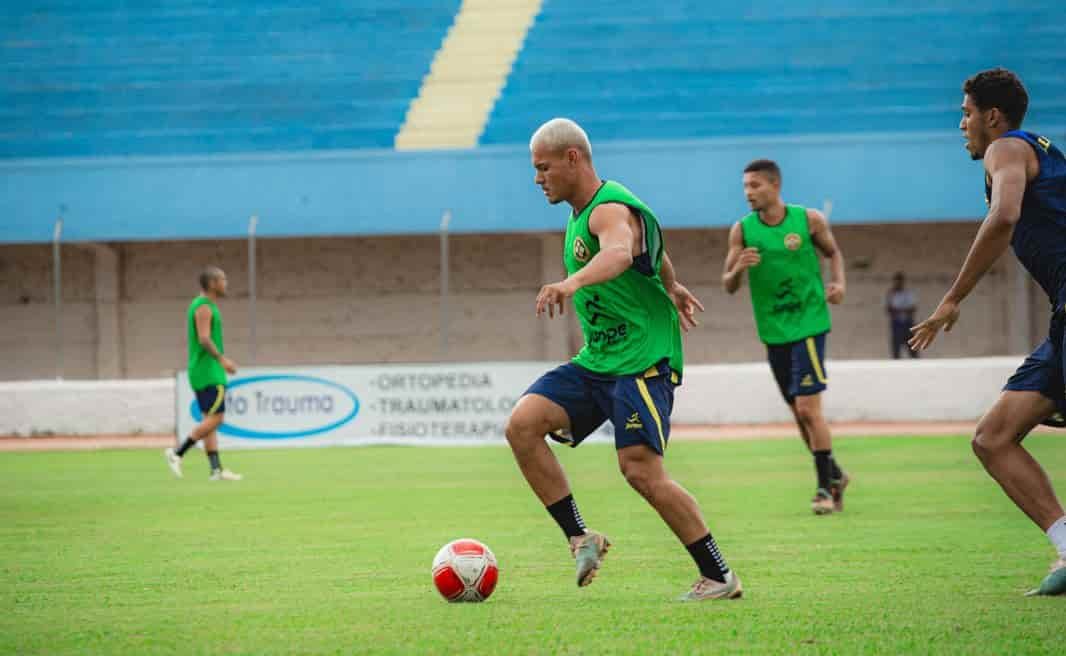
{"type": "Point", "coordinates": [774, 215]}
{"type": "Point", "coordinates": [586, 189]}
{"type": "Point", "coordinates": [211, 296]}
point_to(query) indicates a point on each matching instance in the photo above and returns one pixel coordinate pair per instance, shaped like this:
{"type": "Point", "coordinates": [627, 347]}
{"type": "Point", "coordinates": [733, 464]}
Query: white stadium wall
{"type": "Point", "coordinates": [321, 406]}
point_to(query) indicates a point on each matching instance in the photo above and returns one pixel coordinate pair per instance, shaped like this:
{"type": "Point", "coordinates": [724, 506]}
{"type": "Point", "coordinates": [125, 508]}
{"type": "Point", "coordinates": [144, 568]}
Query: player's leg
{"type": "Point", "coordinates": [807, 382]}
{"type": "Point", "coordinates": [559, 405]}
{"type": "Point", "coordinates": [212, 403]}
{"type": "Point", "coordinates": [218, 472]}
{"type": "Point", "coordinates": [642, 429]}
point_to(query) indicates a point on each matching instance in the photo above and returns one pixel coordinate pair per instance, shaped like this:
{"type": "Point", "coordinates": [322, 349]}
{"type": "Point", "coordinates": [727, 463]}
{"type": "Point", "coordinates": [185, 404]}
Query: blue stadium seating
{"type": "Point", "coordinates": [171, 77]}
{"type": "Point", "coordinates": [703, 68]}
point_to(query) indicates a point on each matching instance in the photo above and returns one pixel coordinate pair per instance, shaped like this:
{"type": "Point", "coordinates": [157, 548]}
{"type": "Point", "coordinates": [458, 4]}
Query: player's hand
{"type": "Point", "coordinates": [229, 365]}
{"type": "Point", "coordinates": [922, 335]}
{"type": "Point", "coordinates": [552, 298]}
{"type": "Point", "coordinates": [687, 304]}
{"type": "Point", "coordinates": [749, 257]}
{"type": "Point", "coordinates": [834, 293]}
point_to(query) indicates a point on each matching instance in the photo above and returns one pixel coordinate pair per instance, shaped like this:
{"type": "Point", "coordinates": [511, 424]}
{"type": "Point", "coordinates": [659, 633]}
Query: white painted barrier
{"type": "Point", "coordinates": [94, 407]}
{"type": "Point", "coordinates": [859, 390]}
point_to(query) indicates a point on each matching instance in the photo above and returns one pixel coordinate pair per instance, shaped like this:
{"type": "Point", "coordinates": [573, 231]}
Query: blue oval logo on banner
{"type": "Point", "coordinates": [278, 407]}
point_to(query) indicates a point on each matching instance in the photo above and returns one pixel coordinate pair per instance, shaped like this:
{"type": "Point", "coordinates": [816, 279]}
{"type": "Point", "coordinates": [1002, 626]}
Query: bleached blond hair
{"type": "Point", "coordinates": [561, 133]}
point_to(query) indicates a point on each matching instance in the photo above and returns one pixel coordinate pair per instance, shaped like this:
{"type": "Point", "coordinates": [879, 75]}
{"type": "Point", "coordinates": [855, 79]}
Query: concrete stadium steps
{"type": "Point", "coordinates": [467, 74]}
{"type": "Point", "coordinates": [717, 68]}
{"type": "Point", "coordinates": [101, 78]}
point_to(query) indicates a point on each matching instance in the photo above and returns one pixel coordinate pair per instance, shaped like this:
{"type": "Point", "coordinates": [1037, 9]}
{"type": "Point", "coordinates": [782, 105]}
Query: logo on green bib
{"type": "Point", "coordinates": [581, 251]}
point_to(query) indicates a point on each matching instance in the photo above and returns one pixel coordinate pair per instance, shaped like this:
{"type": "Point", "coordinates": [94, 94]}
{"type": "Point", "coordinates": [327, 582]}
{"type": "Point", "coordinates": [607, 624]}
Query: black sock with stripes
{"type": "Point", "coordinates": [566, 515]}
{"type": "Point", "coordinates": [212, 457]}
{"type": "Point", "coordinates": [708, 559]}
{"type": "Point", "coordinates": [185, 446]}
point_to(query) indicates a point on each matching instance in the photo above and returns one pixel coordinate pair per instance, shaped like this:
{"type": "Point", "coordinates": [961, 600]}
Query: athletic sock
{"type": "Point", "coordinates": [212, 457]}
{"type": "Point", "coordinates": [708, 559]}
{"type": "Point", "coordinates": [822, 460]}
{"type": "Point", "coordinates": [566, 515]}
{"type": "Point", "coordinates": [838, 473]}
{"type": "Point", "coordinates": [185, 446]}
{"type": "Point", "coordinates": [1057, 534]}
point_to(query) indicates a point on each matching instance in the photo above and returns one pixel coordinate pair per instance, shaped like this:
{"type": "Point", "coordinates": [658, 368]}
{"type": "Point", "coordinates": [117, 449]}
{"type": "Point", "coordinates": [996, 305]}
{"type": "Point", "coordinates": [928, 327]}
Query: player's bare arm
{"type": "Point", "coordinates": [826, 243]}
{"type": "Point", "coordinates": [203, 334]}
{"type": "Point", "coordinates": [615, 228]}
{"type": "Point", "coordinates": [737, 260]}
{"type": "Point", "coordinates": [1006, 164]}
{"type": "Point", "coordinates": [686, 301]}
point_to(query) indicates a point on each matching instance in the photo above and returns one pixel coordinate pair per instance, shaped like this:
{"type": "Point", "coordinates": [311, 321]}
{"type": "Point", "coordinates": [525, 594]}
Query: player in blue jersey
{"type": "Point", "coordinates": [1025, 187]}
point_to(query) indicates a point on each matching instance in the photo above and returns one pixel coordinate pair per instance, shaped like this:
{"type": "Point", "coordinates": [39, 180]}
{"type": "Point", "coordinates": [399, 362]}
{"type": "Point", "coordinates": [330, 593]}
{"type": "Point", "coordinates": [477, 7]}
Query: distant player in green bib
{"type": "Point", "coordinates": [627, 298]}
{"type": "Point", "coordinates": [778, 245]}
{"type": "Point", "coordinates": [207, 373]}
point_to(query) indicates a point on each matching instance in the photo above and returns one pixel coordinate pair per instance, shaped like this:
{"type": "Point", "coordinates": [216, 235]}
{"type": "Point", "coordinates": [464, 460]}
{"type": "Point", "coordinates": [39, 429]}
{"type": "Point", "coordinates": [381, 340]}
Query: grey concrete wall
{"type": "Point", "coordinates": [356, 300]}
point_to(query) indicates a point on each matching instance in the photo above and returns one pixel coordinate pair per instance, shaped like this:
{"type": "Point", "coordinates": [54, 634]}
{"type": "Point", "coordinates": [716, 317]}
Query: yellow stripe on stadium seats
{"type": "Point", "coordinates": [218, 399]}
{"type": "Point", "coordinates": [646, 395]}
{"type": "Point", "coordinates": [812, 351]}
{"type": "Point", "coordinates": [467, 75]}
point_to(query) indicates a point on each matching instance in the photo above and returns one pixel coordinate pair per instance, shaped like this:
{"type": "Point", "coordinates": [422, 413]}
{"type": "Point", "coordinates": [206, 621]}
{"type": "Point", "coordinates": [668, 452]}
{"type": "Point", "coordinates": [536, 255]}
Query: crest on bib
{"type": "Point", "coordinates": [581, 251]}
{"type": "Point", "coordinates": [793, 241]}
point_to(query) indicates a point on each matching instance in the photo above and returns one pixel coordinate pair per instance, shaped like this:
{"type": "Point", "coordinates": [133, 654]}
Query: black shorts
{"type": "Point", "coordinates": [212, 399]}
{"type": "Point", "coordinates": [799, 367]}
{"type": "Point", "coordinates": [638, 406]}
{"type": "Point", "coordinates": [1042, 371]}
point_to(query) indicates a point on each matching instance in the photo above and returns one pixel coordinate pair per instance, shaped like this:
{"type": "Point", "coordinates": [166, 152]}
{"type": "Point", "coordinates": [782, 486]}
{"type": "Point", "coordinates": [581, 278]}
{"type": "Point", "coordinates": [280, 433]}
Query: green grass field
{"type": "Point", "coordinates": [328, 551]}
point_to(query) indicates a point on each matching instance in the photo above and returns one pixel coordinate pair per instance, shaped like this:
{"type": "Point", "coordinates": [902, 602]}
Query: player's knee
{"type": "Point", "coordinates": [519, 432]}
{"type": "Point", "coordinates": [807, 414]}
{"type": "Point", "coordinates": [638, 476]}
{"type": "Point", "coordinates": [990, 438]}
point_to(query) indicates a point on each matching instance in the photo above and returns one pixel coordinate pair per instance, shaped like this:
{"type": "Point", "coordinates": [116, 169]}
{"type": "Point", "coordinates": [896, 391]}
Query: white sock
{"type": "Point", "coordinates": [1057, 535]}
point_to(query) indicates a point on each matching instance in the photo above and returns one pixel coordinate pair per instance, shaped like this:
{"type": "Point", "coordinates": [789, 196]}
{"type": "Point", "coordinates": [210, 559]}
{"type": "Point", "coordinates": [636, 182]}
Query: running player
{"type": "Point", "coordinates": [207, 373]}
{"type": "Point", "coordinates": [779, 245]}
{"type": "Point", "coordinates": [624, 291]}
{"type": "Point", "coordinates": [1025, 187]}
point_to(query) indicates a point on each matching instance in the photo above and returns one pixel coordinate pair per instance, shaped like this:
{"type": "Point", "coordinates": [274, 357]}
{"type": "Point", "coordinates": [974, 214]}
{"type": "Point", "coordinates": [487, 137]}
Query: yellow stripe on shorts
{"type": "Point", "coordinates": [218, 399]}
{"type": "Point", "coordinates": [812, 350]}
{"type": "Point", "coordinates": [643, 388]}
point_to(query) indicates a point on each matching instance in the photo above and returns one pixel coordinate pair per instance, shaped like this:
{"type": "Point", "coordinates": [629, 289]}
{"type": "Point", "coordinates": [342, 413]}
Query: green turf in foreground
{"type": "Point", "coordinates": [328, 551]}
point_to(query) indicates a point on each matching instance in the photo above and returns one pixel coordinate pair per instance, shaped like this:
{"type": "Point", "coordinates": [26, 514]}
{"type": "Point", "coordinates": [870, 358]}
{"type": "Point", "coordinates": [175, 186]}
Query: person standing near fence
{"type": "Point", "coordinates": [900, 305]}
{"type": "Point", "coordinates": [207, 373]}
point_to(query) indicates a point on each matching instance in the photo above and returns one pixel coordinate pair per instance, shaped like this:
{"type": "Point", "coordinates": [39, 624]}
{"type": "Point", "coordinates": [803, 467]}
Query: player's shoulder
{"type": "Point", "coordinates": [815, 217]}
{"type": "Point", "coordinates": [1013, 146]}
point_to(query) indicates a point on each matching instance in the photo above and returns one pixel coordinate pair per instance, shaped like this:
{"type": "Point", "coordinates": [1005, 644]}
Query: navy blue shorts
{"type": "Point", "coordinates": [799, 367]}
{"type": "Point", "coordinates": [1043, 370]}
{"type": "Point", "coordinates": [638, 406]}
{"type": "Point", "coordinates": [212, 399]}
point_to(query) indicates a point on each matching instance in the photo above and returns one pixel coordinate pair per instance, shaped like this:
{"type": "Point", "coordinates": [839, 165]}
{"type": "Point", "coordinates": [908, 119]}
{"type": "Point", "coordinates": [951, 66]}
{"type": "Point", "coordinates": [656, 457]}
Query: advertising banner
{"type": "Point", "coordinates": [388, 404]}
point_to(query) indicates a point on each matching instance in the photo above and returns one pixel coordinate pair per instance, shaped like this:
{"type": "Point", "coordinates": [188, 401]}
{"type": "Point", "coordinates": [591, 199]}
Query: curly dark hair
{"type": "Point", "coordinates": [999, 88]}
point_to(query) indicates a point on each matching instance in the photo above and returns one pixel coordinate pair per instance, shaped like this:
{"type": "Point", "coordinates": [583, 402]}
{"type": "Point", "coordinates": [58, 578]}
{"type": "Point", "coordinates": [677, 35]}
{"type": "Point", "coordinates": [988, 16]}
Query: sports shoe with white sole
{"type": "Point", "coordinates": [224, 475]}
{"type": "Point", "coordinates": [1054, 583]}
{"type": "Point", "coordinates": [822, 504]}
{"type": "Point", "coordinates": [705, 589]}
{"type": "Point", "coordinates": [588, 550]}
{"type": "Point", "coordinates": [173, 461]}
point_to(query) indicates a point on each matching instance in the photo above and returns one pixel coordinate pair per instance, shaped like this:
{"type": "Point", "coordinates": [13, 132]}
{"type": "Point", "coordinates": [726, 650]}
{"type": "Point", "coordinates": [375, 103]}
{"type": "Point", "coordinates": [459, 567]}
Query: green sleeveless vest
{"type": "Point", "coordinates": [204, 370]}
{"type": "Point", "coordinates": [787, 293]}
{"type": "Point", "coordinates": [630, 323]}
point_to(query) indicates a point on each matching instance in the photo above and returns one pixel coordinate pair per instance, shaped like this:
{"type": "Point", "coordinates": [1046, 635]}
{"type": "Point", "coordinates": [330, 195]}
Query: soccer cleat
{"type": "Point", "coordinates": [836, 490]}
{"type": "Point", "coordinates": [707, 589]}
{"type": "Point", "coordinates": [173, 461]}
{"type": "Point", "coordinates": [822, 504]}
{"type": "Point", "coordinates": [224, 475]}
{"type": "Point", "coordinates": [588, 550]}
{"type": "Point", "coordinates": [1054, 583]}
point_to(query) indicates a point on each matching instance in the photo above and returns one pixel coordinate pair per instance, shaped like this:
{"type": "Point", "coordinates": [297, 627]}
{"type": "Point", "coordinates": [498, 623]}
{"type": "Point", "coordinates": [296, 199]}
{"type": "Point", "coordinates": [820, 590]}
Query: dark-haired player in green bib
{"type": "Point", "coordinates": [778, 245]}
{"type": "Point", "coordinates": [627, 298]}
{"type": "Point", "coordinates": [207, 374]}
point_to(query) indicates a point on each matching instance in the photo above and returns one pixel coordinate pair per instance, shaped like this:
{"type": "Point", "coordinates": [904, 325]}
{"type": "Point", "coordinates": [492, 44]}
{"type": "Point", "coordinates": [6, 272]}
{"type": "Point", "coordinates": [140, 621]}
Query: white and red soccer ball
{"type": "Point", "coordinates": [465, 570]}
